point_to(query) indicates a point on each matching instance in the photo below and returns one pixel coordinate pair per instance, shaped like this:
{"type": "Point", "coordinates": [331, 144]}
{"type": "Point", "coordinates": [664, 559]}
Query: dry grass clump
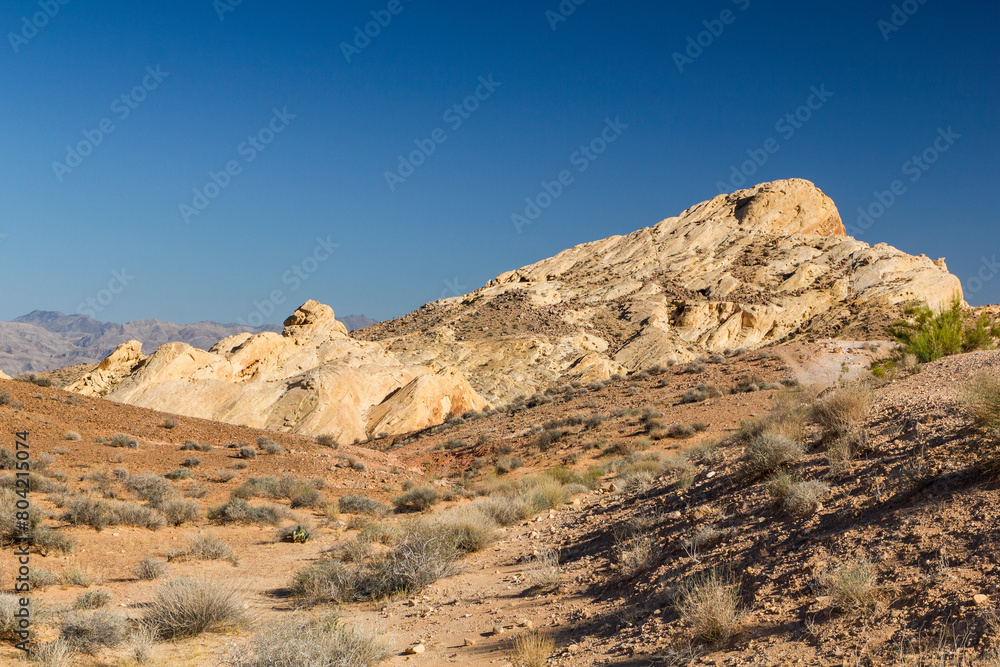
{"type": "Point", "coordinates": [191, 445]}
{"type": "Point", "coordinates": [798, 498]}
{"type": "Point", "coordinates": [853, 587]}
{"type": "Point", "coordinates": [467, 527]}
{"type": "Point", "coordinates": [57, 653]}
{"type": "Point", "coordinates": [90, 631]}
{"type": "Point", "coordinates": [188, 607]}
{"type": "Point", "coordinates": [8, 621]}
{"type": "Point", "coordinates": [710, 603]}
{"type": "Point", "coordinates": [72, 435]}
{"type": "Point", "coordinates": [982, 399]}
{"type": "Point", "coordinates": [532, 649]}
{"type": "Point", "coordinates": [844, 410]}
{"type": "Point", "coordinates": [767, 453]}
{"type": "Point", "coordinates": [308, 642]}
{"type": "Point", "coordinates": [637, 555]}
{"type": "Point", "coordinates": [208, 547]}
{"type": "Point", "coordinates": [123, 440]}
{"type": "Point", "coordinates": [508, 503]}
{"type": "Point", "coordinates": [702, 392]}
{"type": "Point", "coordinates": [545, 574]}
{"type": "Point", "coordinates": [152, 488]}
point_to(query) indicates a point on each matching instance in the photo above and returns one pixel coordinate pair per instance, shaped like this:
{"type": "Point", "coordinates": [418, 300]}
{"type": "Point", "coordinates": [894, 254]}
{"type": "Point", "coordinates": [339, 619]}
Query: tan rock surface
{"type": "Point", "coordinates": [313, 378]}
{"type": "Point", "coordinates": [742, 270]}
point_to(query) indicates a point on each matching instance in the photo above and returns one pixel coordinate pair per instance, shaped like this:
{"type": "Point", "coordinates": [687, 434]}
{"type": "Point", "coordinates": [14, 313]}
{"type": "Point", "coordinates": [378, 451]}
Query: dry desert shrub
{"type": "Point", "coordinates": [72, 435]}
{"type": "Point", "coordinates": [417, 499]}
{"type": "Point", "coordinates": [90, 631]}
{"type": "Point", "coordinates": [844, 410]}
{"type": "Point", "coordinates": [238, 510]}
{"type": "Point", "coordinates": [56, 653]}
{"type": "Point", "coordinates": [308, 642]}
{"type": "Point", "coordinates": [150, 568]}
{"type": "Point", "coordinates": [982, 399]}
{"type": "Point", "coordinates": [247, 452]}
{"type": "Point", "coordinates": [188, 607]}
{"type": "Point", "coordinates": [92, 600]}
{"type": "Point", "coordinates": [637, 555]}
{"type": "Point", "coordinates": [467, 527]}
{"type": "Point", "coordinates": [853, 587]}
{"type": "Point", "coordinates": [179, 511]}
{"type": "Point", "coordinates": [532, 649]}
{"type": "Point", "coordinates": [710, 603]}
{"type": "Point", "coordinates": [358, 504]}
{"type": "Point", "coordinates": [767, 453]}
{"type": "Point", "coordinates": [798, 498]}
{"type": "Point", "coordinates": [545, 573]}
{"type": "Point", "coordinates": [208, 547]}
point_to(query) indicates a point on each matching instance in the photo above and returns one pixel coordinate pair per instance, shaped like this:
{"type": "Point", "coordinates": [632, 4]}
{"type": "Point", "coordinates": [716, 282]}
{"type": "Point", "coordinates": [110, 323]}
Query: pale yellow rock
{"type": "Point", "coordinates": [4, 376]}
{"type": "Point", "coordinates": [312, 378]}
{"type": "Point", "coordinates": [742, 270]}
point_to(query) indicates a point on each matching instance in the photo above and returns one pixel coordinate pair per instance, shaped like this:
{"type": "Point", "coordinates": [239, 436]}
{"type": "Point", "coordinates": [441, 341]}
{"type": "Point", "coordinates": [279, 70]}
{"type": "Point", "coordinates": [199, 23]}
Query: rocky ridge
{"type": "Point", "coordinates": [313, 378]}
{"type": "Point", "coordinates": [743, 270]}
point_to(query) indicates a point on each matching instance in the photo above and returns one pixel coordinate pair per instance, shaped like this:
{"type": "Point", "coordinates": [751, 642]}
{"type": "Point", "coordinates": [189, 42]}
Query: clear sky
{"type": "Point", "coordinates": [192, 159]}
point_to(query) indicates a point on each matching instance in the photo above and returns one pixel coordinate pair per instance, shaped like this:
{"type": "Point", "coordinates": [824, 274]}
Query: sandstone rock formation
{"type": "Point", "coordinates": [4, 376]}
{"type": "Point", "coordinates": [312, 378]}
{"type": "Point", "coordinates": [742, 270]}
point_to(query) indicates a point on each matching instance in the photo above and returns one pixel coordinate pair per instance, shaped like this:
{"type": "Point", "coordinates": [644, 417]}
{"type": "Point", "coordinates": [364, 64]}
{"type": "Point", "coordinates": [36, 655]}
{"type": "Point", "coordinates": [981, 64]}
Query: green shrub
{"type": "Point", "coordinates": [930, 336]}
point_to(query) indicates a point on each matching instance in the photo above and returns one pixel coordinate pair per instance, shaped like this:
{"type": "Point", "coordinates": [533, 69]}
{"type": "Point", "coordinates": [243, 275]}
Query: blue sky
{"type": "Point", "coordinates": [247, 161]}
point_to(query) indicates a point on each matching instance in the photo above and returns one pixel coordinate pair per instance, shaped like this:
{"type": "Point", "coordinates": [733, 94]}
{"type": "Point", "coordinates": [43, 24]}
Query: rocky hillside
{"type": "Point", "coordinates": [43, 340]}
{"type": "Point", "coordinates": [744, 270]}
{"type": "Point", "coordinates": [313, 378]}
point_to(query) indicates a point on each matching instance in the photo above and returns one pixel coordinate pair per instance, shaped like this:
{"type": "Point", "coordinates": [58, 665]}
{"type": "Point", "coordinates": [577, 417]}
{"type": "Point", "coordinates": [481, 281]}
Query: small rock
{"type": "Point", "coordinates": [416, 649]}
{"type": "Point", "coordinates": [498, 629]}
{"type": "Point", "coordinates": [470, 642]}
{"type": "Point", "coordinates": [674, 515]}
{"type": "Point", "coordinates": [980, 600]}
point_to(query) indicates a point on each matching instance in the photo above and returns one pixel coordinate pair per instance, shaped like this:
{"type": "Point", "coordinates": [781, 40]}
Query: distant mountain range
{"type": "Point", "coordinates": [43, 340]}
